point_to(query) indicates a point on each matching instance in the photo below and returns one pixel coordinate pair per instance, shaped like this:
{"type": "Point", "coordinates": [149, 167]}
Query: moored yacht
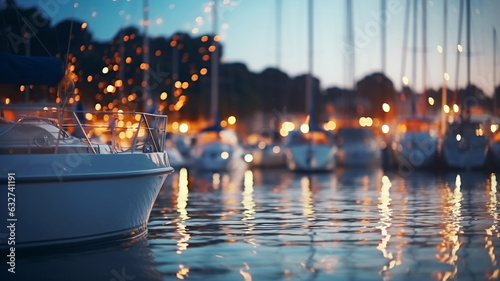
{"type": "Point", "coordinates": [415, 144]}
{"type": "Point", "coordinates": [217, 149]}
{"type": "Point", "coordinates": [465, 144]}
{"type": "Point", "coordinates": [311, 151]}
{"type": "Point", "coordinates": [72, 182]}
{"type": "Point", "coordinates": [358, 147]}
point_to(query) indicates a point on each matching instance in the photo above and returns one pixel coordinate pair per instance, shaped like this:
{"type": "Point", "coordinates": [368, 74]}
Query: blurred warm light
{"type": "Point", "coordinates": [385, 129]}
{"type": "Point", "coordinates": [446, 108]}
{"type": "Point", "coordinates": [248, 158]}
{"type": "Point", "coordinates": [493, 127]}
{"type": "Point", "coordinates": [289, 126]}
{"type": "Point", "coordinates": [175, 126]}
{"type": "Point", "coordinates": [128, 60]}
{"type": "Point", "coordinates": [97, 106]}
{"type": "Point", "coordinates": [185, 85]}
{"type": "Point", "coordinates": [110, 89]}
{"type": "Point", "coordinates": [163, 96]}
{"type": "Point", "coordinates": [203, 71]}
{"type": "Point", "coordinates": [276, 149]}
{"type": "Point", "coordinates": [194, 77]}
{"type": "Point", "coordinates": [386, 107]}
{"type": "Point", "coordinates": [211, 48]}
{"type": "Point", "coordinates": [89, 78]}
{"type": "Point", "coordinates": [405, 80]}
{"type": "Point", "coordinates": [88, 116]}
{"type": "Point", "coordinates": [439, 48]}
{"type": "Point", "coordinates": [204, 38]}
{"type": "Point", "coordinates": [178, 84]}
{"type": "Point", "coordinates": [183, 128]}
{"type": "Point", "coordinates": [231, 120]}
{"type": "Point", "coordinates": [105, 70]}
{"type": "Point", "coordinates": [430, 100]}
{"type": "Point", "coordinates": [460, 48]}
{"type": "Point", "coordinates": [456, 108]}
{"type": "Point", "coordinates": [224, 155]}
{"type": "Point", "coordinates": [84, 25]}
{"type": "Point", "coordinates": [22, 88]}
{"type": "Point", "coordinates": [284, 132]}
{"type": "Point", "coordinates": [330, 125]}
{"type": "Point", "coordinates": [304, 128]}
{"type": "Point", "coordinates": [223, 123]}
{"type": "Point", "coordinates": [144, 66]}
{"type": "Point", "coordinates": [365, 121]}
{"type": "Point", "coordinates": [458, 137]}
{"type": "Point", "coordinates": [7, 101]}
{"type": "Point", "coordinates": [446, 76]}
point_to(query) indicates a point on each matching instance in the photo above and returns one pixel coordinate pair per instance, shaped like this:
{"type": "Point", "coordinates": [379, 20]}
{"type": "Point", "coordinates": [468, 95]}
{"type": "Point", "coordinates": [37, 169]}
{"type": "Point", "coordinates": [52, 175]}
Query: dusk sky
{"type": "Point", "coordinates": [249, 32]}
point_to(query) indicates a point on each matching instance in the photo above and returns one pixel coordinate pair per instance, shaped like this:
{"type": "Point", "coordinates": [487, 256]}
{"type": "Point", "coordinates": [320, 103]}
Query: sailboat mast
{"type": "Point", "coordinates": [310, 38]}
{"type": "Point", "coordinates": [278, 34]}
{"type": "Point", "coordinates": [383, 34]}
{"type": "Point", "coordinates": [146, 97]}
{"type": "Point", "coordinates": [351, 65]}
{"type": "Point", "coordinates": [469, 93]}
{"type": "Point", "coordinates": [494, 71]}
{"type": "Point", "coordinates": [214, 90]}
{"type": "Point", "coordinates": [444, 89]}
{"type": "Point", "coordinates": [424, 57]}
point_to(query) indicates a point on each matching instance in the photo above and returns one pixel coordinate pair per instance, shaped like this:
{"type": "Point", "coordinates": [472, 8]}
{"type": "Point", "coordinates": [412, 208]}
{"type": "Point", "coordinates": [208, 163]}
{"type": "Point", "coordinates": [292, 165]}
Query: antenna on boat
{"type": "Point", "coordinates": [214, 85]}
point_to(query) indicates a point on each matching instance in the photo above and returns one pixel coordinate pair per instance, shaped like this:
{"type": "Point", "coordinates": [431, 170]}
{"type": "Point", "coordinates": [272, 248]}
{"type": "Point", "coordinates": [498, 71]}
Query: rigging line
{"type": "Point", "coordinates": [33, 33]}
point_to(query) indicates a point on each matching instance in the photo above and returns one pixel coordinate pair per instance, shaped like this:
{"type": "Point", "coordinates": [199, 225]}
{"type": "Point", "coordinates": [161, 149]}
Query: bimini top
{"type": "Point", "coordinates": [15, 69]}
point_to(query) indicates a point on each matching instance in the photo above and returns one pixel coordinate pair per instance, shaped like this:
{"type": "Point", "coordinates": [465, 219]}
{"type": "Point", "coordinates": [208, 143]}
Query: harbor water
{"type": "Point", "coordinates": [272, 224]}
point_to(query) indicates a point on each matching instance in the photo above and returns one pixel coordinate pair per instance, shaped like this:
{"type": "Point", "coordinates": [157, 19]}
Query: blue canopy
{"type": "Point", "coordinates": [15, 69]}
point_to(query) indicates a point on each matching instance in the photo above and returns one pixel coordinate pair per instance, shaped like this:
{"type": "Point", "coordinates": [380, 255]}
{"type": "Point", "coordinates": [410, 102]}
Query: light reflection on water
{"type": "Point", "coordinates": [348, 225]}
{"type": "Point", "coordinates": [352, 224]}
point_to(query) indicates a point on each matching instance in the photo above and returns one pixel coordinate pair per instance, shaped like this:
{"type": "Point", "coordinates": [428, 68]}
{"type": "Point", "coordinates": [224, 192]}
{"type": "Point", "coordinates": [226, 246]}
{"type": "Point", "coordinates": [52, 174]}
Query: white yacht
{"type": "Point", "coordinates": [415, 144]}
{"type": "Point", "coordinates": [310, 152]}
{"type": "Point", "coordinates": [217, 149]}
{"type": "Point", "coordinates": [358, 147]}
{"type": "Point", "coordinates": [64, 189]}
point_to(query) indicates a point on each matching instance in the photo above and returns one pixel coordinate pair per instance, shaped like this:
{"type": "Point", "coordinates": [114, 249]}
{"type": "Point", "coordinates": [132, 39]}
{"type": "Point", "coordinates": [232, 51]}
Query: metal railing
{"type": "Point", "coordinates": [123, 131]}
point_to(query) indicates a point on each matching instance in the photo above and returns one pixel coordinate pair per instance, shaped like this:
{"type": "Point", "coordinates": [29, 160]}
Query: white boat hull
{"type": "Point", "coordinates": [217, 157]}
{"type": "Point", "coordinates": [307, 157]}
{"type": "Point", "coordinates": [74, 198]}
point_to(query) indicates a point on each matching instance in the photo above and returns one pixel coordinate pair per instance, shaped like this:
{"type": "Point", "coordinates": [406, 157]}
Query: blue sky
{"type": "Point", "coordinates": [248, 29]}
